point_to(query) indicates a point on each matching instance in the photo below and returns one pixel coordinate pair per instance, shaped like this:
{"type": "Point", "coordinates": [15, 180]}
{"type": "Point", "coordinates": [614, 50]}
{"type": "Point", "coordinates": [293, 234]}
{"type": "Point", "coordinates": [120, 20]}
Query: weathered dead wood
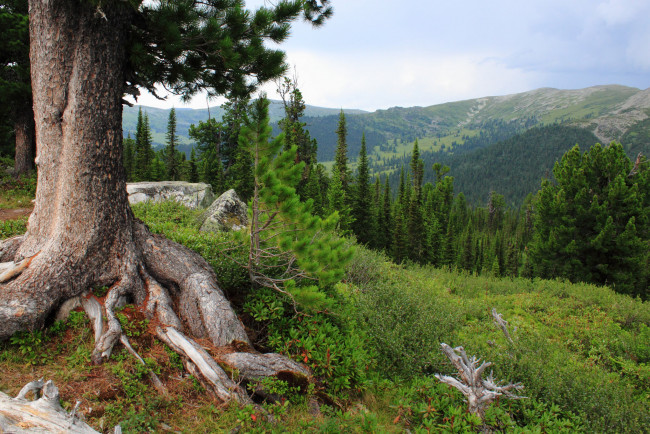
{"type": "Point", "coordinates": [502, 323]}
{"type": "Point", "coordinates": [45, 414]}
{"type": "Point", "coordinates": [480, 393]}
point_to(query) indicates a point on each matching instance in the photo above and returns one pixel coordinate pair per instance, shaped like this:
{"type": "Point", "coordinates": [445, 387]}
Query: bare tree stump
{"type": "Point", "coordinates": [480, 393]}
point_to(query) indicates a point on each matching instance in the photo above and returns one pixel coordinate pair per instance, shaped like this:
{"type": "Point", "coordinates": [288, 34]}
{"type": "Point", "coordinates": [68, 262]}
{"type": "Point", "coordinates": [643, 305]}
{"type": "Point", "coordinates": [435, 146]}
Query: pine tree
{"type": "Point", "coordinates": [594, 224]}
{"type": "Point", "coordinates": [173, 172]}
{"type": "Point", "coordinates": [362, 202]}
{"type": "Point", "coordinates": [284, 235]}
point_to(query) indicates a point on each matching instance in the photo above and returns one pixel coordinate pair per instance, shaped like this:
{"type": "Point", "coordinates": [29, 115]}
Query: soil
{"type": "Point", "coordinates": [13, 214]}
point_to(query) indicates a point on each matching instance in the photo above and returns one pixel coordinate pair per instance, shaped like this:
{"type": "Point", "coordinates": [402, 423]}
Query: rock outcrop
{"type": "Point", "coordinates": [192, 195]}
{"type": "Point", "coordinates": [227, 213]}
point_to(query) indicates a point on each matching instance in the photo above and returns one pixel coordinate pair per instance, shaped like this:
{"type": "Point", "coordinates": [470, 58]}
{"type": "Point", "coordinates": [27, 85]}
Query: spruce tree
{"type": "Point", "coordinates": [295, 132]}
{"type": "Point", "coordinates": [128, 156]}
{"type": "Point", "coordinates": [337, 203]}
{"type": "Point", "coordinates": [362, 202]}
{"type": "Point", "coordinates": [341, 155]}
{"type": "Point", "coordinates": [193, 172]}
{"type": "Point", "coordinates": [143, 151]}
{"type": "Point", "coordinates": [208, 136]}
{"type": "Point", "coordinates": [386, 230]}
{"type": "Point", "coordinates": [173, 172]}
{"type": "Point", "coordinates": [415, 220]}
{"type": "Point", "coordinates": [399, 248]}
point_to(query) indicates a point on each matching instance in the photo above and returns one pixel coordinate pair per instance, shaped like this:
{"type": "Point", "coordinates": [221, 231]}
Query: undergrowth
{"type": "Point", "coordinates": [581, 352]}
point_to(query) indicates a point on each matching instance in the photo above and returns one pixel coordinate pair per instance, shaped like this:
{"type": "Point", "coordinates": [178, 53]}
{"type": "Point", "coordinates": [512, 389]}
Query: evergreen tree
{"type": "Point", "coordinates": [387, 222]}
{"type": "Point", "coordinates": [173, 172]}
{"type": "Point", "coordinates": [241, 174]}
{"type": "Point", "coordinates": [362, 202]}
{"type": "Point", "coordinates": [193, 173]}
{"type": "Point", "coordinates": [415, 221]}
{"type": "Point", "coordinates": [144, 153]}
{"type": "Point", "coordinates": [341, 155]}
{"type": "Point", "coordinates": [377, 215]}
{"type": "Point", "coordinates": [17, 135]}
{"type": "Point", "coordinates": [594, 224]}
{"type": "Point", "coordinates": [128, 156]}
{"type": "Point", "coordinates": [337, 203]}
{"type": "Point", "coordinates": [295, 132]}
{"type": "Point", "coordinates": [284, 234]}
{"type": "Point", "coordinates": [399, 248]}
{"type": "Point", "coordinates": [208, 136]}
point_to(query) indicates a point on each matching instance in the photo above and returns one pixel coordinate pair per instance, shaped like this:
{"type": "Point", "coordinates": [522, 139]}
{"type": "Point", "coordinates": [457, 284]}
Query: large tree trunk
{"type": "Point", "coordinates": [25, 141]}
{"type": "Point", "coordinates": [82, 232]}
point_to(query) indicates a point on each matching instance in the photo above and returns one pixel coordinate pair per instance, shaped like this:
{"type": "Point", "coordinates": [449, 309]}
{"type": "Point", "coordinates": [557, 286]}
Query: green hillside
{"type": "Point", "coordinates": [580, 352]}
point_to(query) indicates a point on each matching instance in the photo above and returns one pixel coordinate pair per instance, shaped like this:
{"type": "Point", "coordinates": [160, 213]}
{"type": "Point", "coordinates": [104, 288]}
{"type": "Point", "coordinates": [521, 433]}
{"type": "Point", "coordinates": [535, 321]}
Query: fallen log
{"type": "Point", "coordinates": [44, 414]}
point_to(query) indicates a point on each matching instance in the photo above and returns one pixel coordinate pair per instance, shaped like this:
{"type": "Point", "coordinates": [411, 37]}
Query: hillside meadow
{"type": "Point", "coordinates": [581, 352]}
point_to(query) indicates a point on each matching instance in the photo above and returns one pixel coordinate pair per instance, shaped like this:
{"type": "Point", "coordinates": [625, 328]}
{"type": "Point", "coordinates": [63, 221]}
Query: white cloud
{"type": "Point", "coordinates": [617, 12]}
{"type": "Point", "coordinates": [375, 80]}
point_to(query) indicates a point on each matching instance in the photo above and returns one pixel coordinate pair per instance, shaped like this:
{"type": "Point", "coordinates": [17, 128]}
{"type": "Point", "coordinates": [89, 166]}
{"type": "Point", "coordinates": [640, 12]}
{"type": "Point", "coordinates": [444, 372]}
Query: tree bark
{"type": "Point", "coordinates": [82, 232]}
{"type": "Point", "coordinates": [25, 141]}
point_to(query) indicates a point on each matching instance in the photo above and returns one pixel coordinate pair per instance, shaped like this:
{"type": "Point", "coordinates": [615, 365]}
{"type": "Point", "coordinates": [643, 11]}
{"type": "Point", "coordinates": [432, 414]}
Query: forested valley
{"type": "Point", "coordinates": [389, 260]}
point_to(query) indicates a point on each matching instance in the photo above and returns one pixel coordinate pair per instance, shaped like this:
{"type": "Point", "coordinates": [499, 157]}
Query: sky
{"type": "Point", "coordinates": [376, 54]}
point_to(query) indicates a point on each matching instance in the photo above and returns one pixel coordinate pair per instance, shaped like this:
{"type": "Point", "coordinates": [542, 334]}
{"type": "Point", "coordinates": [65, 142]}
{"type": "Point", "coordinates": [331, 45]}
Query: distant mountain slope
{"type": "Point", "coordinates": [607, 111]}
{"type": "Point", "coordinates": [455, 131]}
{"type": "Point", "coordinates": [513, 167]}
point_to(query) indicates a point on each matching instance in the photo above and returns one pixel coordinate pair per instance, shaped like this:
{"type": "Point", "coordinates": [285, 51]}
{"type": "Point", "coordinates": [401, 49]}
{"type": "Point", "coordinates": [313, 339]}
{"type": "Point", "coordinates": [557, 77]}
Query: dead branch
{"type": "Point", "coordinates": [498, 320]}
{"type": "Point", "coordinates": [480, 393]}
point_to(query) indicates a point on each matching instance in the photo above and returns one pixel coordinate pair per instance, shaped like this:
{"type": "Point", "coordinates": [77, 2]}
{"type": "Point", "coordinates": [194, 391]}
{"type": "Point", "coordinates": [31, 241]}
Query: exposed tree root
{"type": "Point", "coordinates": [203, 366]}
{"type": "Point", "coordinates": [176, 290]}
{"type": "Point", "coordinates": [9, 270]}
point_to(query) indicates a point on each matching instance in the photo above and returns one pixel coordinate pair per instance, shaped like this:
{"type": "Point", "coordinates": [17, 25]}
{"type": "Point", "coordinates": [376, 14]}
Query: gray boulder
{"type": "Point", "coordinates": [227, 213]}
{"type": "Point", "coordinates": [192, 195]}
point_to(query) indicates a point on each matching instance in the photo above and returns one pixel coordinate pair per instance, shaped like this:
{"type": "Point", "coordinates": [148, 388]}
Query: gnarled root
{"type": "Point", "coordinates": [177, 291]}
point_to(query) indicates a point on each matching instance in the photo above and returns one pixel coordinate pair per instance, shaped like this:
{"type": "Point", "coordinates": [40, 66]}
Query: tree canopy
{"type": "Point", "coordinates": [594, 224]}
{"type": "Point", "coordinates": [213, 45]}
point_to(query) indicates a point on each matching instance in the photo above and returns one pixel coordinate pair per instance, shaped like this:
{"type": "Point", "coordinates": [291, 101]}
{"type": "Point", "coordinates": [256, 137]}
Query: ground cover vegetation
{"type": "Point", "coordinates": [580, 351]}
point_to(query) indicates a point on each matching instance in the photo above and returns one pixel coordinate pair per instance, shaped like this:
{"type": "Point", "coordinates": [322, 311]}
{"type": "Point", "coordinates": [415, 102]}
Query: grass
{"type": "Point", "coordinates": [16, 192]}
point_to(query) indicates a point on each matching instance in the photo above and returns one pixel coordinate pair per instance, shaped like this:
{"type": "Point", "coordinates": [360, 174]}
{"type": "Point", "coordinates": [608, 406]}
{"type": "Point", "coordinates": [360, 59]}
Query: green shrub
{"type": "Point", "coordinates": [430, 406]}
{"type": "Point", "coordinates": [404, 326]}
{"type": "Point", "coordinates": [332, 346]}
